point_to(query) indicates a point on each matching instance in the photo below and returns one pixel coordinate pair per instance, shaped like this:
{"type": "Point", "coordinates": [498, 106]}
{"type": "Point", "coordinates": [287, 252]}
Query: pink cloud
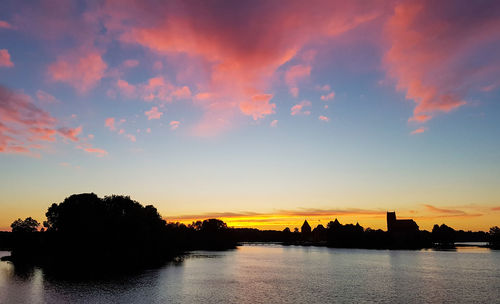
{"type": "Point", "coordinates": [153, 113]}
{"type": "Point", "coordinates": [274, 123]}
{"type": "Point", "coordinates": [203, 96]}
{"type": "Point", "coordinates": [5, 59]}
{"type": "Point", "coordinates": [130, 63]}
{"type": "Point", "coordinates": [82, 68]}
{"type": "Point", "coordinates": [231, 62]}
{"type": "Point", "coordinates": [174, 124]}
{"type": "Point", "coordinates": [294, 91]}
{"type": "Point", "coordinates": [131, 137]}
{"type": "Point", "coordinates": [157, 66]}
{"type": "Point", "coordinates": [24, 127]}
{"type": "Point", "coordinates": [323, 118]}
{"type": "Point", "coordinates": [5, 25]}
{"type": "Point", "coordinates": [258, 106]}
{"type": "Point", "coordinates": [126, 89]}
{"type": "Point", "coordinates": [298, 109]}
{"type": "Point", "coordinates": [182, 93]}
{"type": "Point", "coordinates": [294, 75]}
{"type": "Point", "coordinates": [325, 88]}
{"type": "Point", "coordinates": [421, 118]}
{"type": "Point", "coordinates": [99, 152]}
{"type": "Point", "coordinates": [110, 123]}
{"type": "Point", "coordinates": [439, 52]}
{"type": "Point", "coordinates": [418, 131]}
{"type": "Point", "coordinates": [92, 150]}
{"type": "Point", "coordinates": [91, 136]}
{"type": "Point", "coordinates": [122, 131]}
{"type": "Point", "coordinates": [325, 106]}
{"type": "Point", "coordinates": [155, 89]}
{"type": "Point", "coordinates": [329, 96]}
{"type": "Point", "coordinates": [489, 88]}
{"type": "Point", "coordinates": [69, 133]}
{"type": "Point", "coordinates": [45, 97]}
{"type": "Point", "coordinates": [148, 130]}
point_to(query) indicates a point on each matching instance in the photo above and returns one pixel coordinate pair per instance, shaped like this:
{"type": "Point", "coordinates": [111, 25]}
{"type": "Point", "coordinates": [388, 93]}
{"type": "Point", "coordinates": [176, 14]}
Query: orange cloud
{"type": "Point", "coordinates": [82, 68]}
{"type": "Point", "coordinates": [5, 59]}
{"type": "Point", "coordinates": [419, 118]}
{"type": "Point", "coordinates": [298, 108]}
{"type": "Point", "coordinates": [418, 131]}
{"type": "Point", "coordinates": [445, 213]}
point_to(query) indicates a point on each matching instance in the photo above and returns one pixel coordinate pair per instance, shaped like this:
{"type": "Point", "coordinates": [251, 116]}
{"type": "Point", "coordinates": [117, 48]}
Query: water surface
{"type": "Point", "coordinates": [279, 274]}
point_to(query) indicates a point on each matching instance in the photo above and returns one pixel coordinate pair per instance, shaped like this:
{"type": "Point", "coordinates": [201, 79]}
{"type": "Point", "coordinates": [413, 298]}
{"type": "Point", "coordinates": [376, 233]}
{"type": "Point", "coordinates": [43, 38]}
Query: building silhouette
{"type": "Point", "coordinates": [306, 228]}
{"type": "Point", "coordinates": [395, 225]}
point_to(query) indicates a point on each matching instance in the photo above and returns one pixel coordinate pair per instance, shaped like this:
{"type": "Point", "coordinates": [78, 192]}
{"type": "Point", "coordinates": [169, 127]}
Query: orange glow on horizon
{"type": "Point", "coordinates": [474, 222]}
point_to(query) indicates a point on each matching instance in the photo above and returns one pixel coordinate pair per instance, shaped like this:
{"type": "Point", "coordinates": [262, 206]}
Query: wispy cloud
{"type": "Point", "coordinates": [298, 109]}
{"type": "Point", "coordinates": [5, 60]}
{"type": "Point", "coordinates": [154, 113]}
{"type": "Point", "coordinates": [418, 131]}
{"type": "Point", "coordinates": [445, 212]}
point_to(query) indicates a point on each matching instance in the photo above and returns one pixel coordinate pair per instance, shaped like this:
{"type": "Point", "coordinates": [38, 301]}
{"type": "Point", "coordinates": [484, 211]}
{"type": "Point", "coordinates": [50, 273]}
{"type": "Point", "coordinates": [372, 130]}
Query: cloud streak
{"type": "Point", "coordinates": [24, 127]}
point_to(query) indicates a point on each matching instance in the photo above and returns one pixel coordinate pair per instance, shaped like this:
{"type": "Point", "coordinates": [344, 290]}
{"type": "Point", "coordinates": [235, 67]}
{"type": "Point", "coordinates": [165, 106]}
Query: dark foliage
{"type": "Point", "coordinates": [443, 235]}
{"type": "Point", "coordinates": [494, 237]}
{"type": "Point", "coordinates": [114, 233]}
{"type": "Point", "coordinates": [5, 240]}
{"type": "Point", "coordinates": [24, 226]}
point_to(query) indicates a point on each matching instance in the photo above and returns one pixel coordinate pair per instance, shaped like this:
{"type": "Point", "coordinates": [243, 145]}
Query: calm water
{"type": "Point", "coordinates": [276, 274]}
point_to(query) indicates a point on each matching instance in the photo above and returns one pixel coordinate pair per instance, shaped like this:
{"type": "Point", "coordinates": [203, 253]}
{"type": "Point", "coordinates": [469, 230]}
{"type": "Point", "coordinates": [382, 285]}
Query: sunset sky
{"type": "Point", "coordinates": [261, 113]}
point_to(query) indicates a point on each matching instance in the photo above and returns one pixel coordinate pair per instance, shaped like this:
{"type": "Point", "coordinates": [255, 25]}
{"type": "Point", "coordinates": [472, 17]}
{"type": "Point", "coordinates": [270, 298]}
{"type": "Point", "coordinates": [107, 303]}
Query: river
{"type": "Point", "coordinates": [279, 274]}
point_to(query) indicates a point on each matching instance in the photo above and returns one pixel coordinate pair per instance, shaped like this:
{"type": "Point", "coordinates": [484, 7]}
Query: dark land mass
{"type": "Point", "coordinates": [114, 234]}
{"type": "Point", "coordinates": [88, 234]}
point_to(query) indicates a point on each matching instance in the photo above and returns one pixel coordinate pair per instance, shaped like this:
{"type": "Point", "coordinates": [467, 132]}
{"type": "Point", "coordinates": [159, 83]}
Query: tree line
{"type": "Point", "coordinates": [117, 233]}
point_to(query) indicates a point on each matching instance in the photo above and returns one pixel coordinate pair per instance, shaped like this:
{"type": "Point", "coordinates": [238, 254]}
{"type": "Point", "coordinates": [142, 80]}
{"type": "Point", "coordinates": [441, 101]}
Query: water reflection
{"type": "Point", "coordinates": [278, 274]}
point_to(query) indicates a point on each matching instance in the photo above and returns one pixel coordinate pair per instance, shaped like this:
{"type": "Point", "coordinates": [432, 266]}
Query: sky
{"type": "Point", "coordinates": [261, 113]}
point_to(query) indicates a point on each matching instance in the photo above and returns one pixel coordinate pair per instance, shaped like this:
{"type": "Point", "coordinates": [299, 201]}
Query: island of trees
{"type": "Point", "coordinates": [116, 233]}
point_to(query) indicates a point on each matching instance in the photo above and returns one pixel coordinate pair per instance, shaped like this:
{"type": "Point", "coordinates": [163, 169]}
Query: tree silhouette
{"type": "Point", "coordinates": [85, 232]}
{"type": "Point", "coordinates": [443, 235]}
{"type": "Point", "coordinates": [24, 226]}
{"type": "Point", "coordinates": [495, 237]}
